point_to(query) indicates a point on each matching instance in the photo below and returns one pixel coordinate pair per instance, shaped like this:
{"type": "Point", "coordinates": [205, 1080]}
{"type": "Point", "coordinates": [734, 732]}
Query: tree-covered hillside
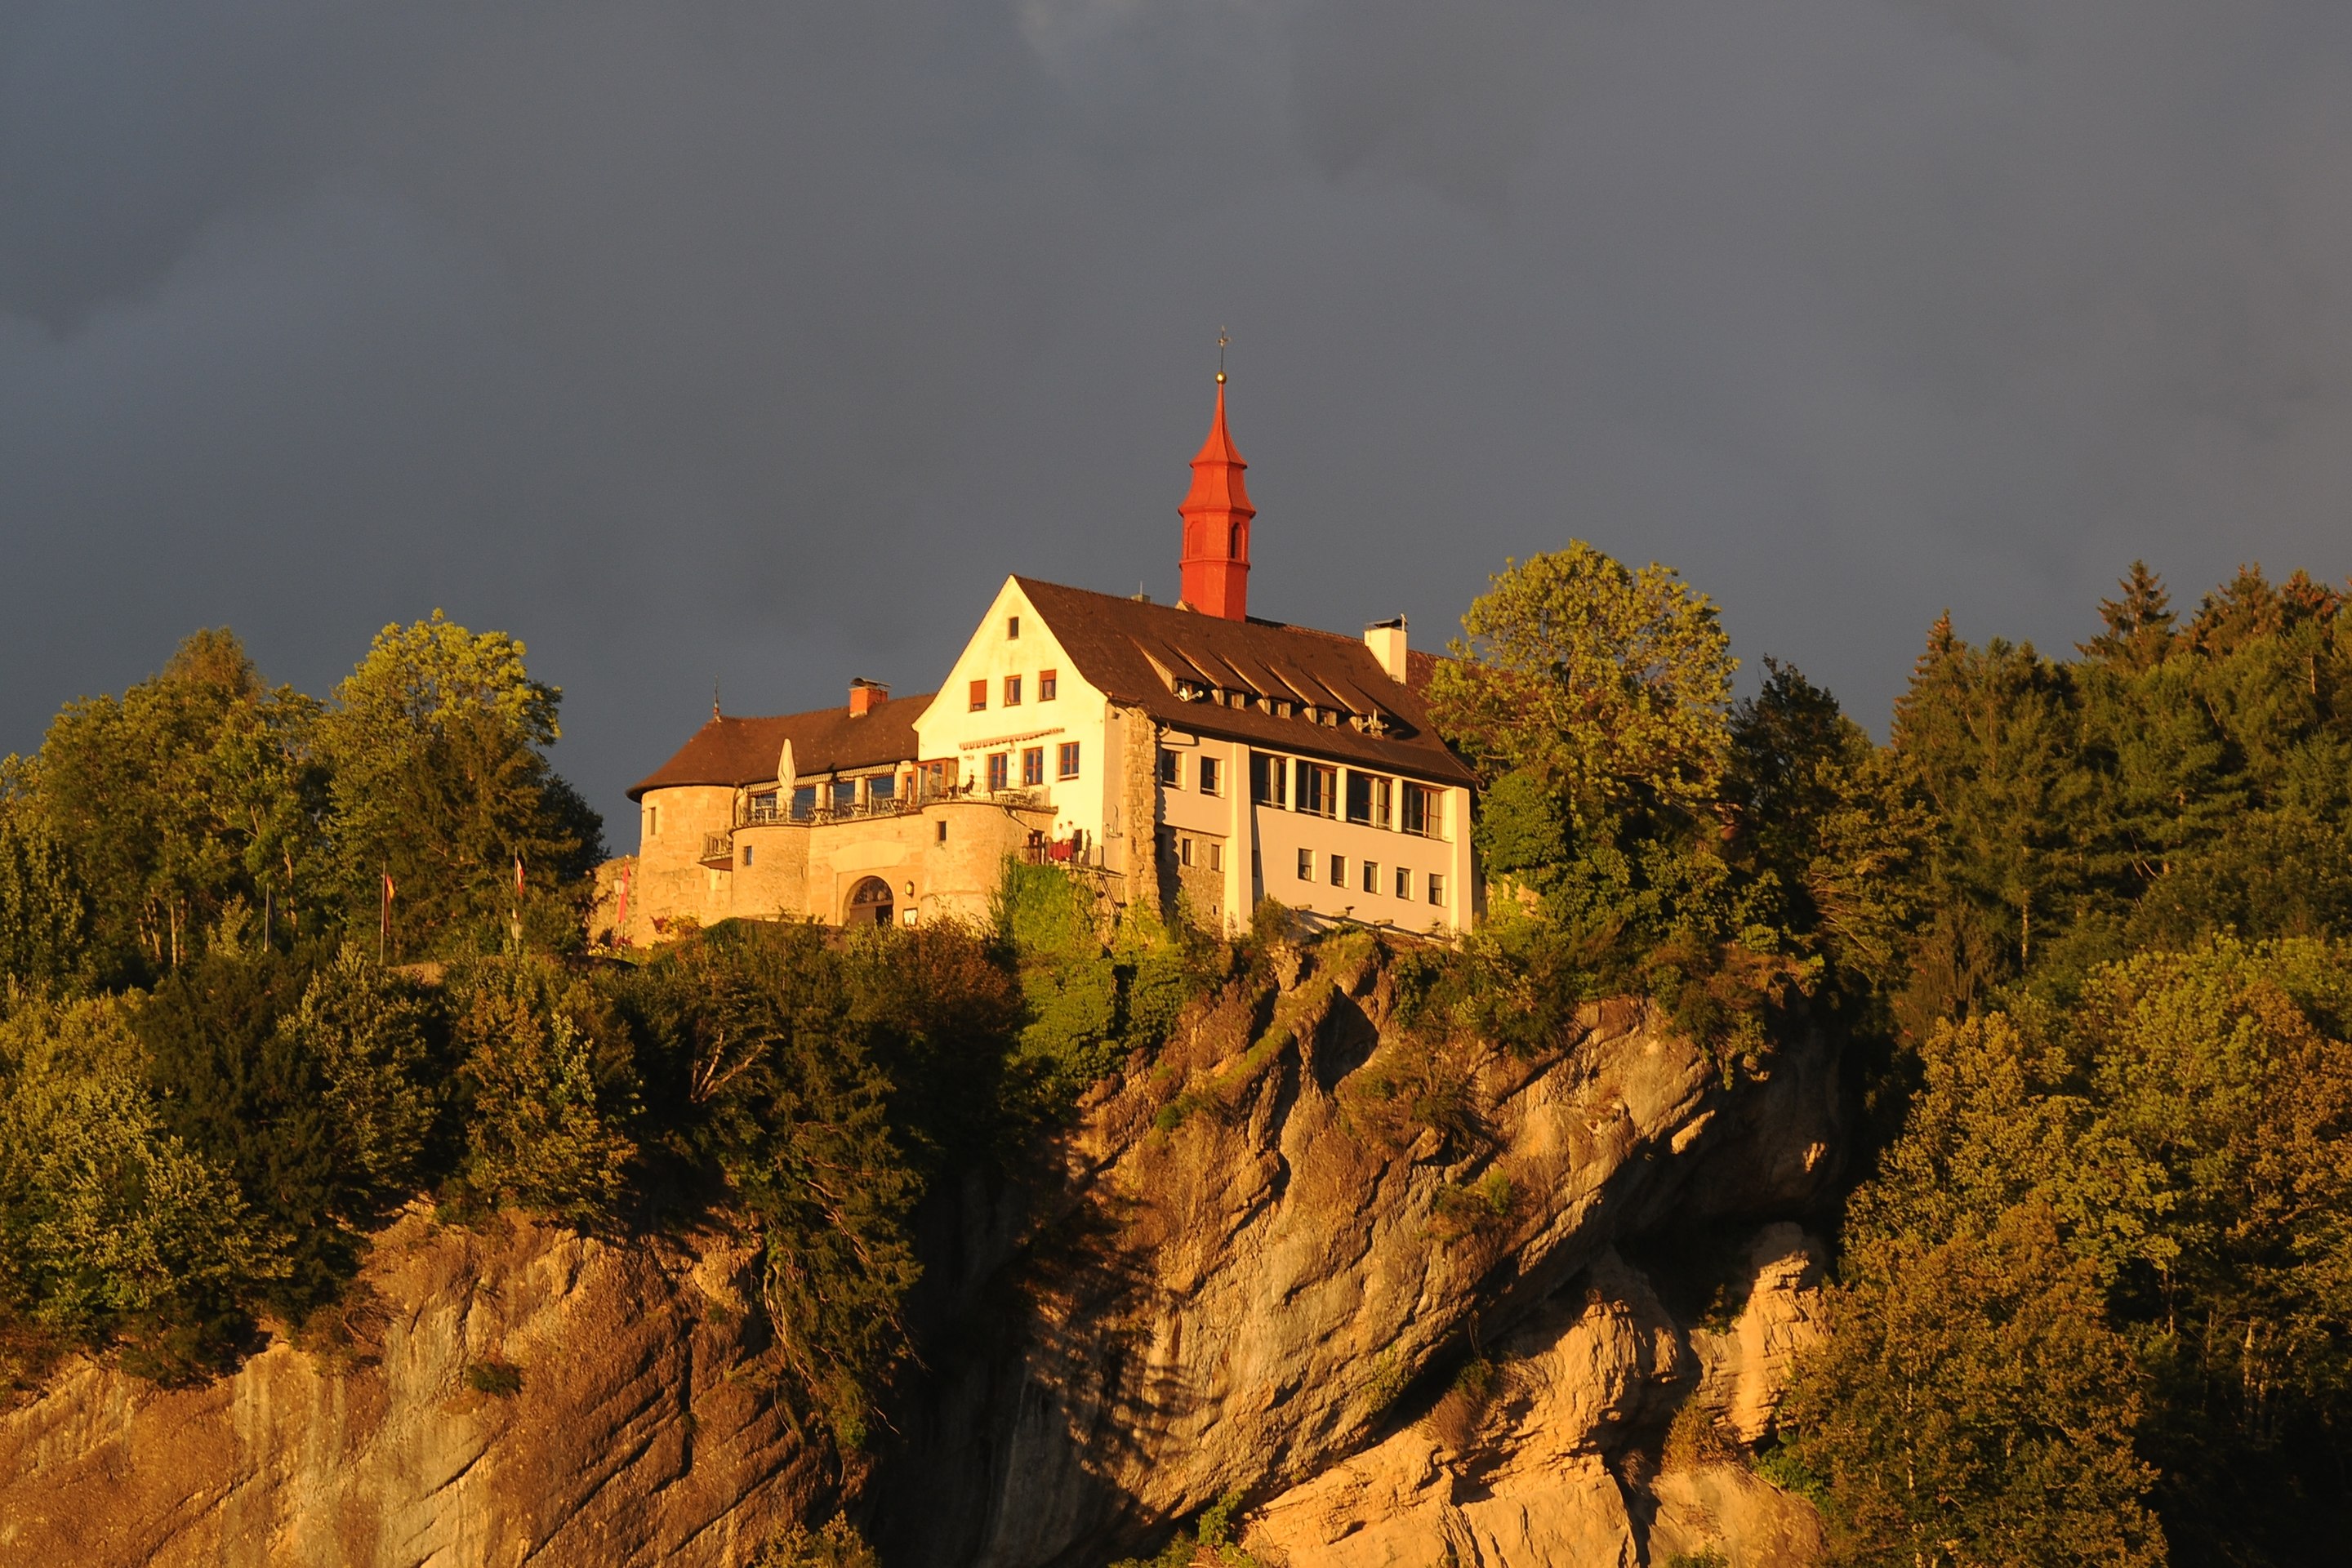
{"type": "Point", "coordinates": [2082, 927]}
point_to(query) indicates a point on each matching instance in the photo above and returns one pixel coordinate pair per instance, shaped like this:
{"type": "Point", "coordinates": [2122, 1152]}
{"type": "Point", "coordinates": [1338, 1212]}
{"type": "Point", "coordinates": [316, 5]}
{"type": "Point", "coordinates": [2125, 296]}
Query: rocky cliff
{"type": "Point", "coordinates": [516, 1395]}
{"type": "Point", "coordinates": [1405, 1299]}
{"type": "Point", "coordinates": [1278, 1245]}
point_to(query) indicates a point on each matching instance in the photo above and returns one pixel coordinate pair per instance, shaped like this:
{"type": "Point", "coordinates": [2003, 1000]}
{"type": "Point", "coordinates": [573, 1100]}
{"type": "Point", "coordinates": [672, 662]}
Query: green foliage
{"type": "Point", "coordinates": [1610, 685]}
{"type": "Point", "coordinates": [1091, 1002]}
{"type": "Point", "coordinates": [2183, 1133]}
{"type": "Point", "coordinates": [766, 1061]}
{"type": "Point", "coordinates": [552, 1090]}
{"type": "Point", "coordinates": [375, 1035]}
{"type": "Point", "coordinates": [252, 1095]}
{"type": "Point", "coordinates": [111, 1225]}
{"type": "Point", "coordinates": [435, 745]}
{"type": "Point", "coordinates": [190, 795]}
{"type": "Point", "coordinates": [45, 932]}
{"type": "Point", "coordinates": [1208, 1545]}
{"type": "Point", "coordinates": [837, 1545]}
{"type": "Point", "coordinates": [499, 1379]}
{"type": "Point", "coordinates": [1972, 1406]}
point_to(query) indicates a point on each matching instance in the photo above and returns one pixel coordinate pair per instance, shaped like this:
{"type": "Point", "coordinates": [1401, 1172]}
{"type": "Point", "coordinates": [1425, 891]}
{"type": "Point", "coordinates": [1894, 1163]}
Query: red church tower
{"type": "Point", "coordinates": [1216, 516]}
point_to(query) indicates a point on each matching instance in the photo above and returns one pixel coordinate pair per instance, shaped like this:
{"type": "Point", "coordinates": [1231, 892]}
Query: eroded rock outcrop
{"type": "Point", "coordinates": [1558, 1451]}
{"type": "Point", "coordinates": [1272, 1238]}
{"type": "Point", "coordinates": [639, 1431]}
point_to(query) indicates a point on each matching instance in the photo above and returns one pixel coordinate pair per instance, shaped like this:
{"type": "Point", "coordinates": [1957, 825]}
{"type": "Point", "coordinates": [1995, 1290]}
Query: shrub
{"type": "Point", "coordinates": [110, 1227]}
{"type": "Point", "coordinates": [548, 1104]}
{"type": "Point", "coordinates": [499, 1379]}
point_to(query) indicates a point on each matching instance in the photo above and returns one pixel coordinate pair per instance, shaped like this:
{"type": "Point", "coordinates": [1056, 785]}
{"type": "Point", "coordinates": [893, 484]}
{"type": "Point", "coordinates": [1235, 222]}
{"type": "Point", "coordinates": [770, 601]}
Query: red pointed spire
{"type": "Point", "coordinates": [1216, 513]}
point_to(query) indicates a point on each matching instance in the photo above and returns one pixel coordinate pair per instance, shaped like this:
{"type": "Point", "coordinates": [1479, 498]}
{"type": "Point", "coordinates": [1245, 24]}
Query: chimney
{"type": "Point", "coordinates": [1386, 639]}
{"type": "Point", "coordinates": [865, 696]}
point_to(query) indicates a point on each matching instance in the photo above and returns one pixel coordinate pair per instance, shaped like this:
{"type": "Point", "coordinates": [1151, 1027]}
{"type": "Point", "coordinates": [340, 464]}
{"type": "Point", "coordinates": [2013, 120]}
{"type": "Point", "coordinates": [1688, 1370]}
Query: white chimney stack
{"type": "Point", "coordinates": [1386, 640]}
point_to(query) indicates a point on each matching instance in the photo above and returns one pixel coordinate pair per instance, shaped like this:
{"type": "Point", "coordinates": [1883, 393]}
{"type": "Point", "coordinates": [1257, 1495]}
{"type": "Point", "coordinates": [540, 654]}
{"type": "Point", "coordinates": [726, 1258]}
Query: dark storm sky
{"type": "Point", "coordinates": [701, 339]}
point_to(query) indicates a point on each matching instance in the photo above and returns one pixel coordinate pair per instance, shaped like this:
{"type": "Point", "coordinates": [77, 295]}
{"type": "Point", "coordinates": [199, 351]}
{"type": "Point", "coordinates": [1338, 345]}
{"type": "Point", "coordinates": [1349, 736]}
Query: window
{"type": "Point", "coordinates": [882, 788]}
{"type": "Point", "coordinates": [1382, 790]}
{"type": "Point", "coordinates": [1211, 780]}
{"type": "Point", "coordinates": [803, 802]}
{"type": "Point", "coordinates": [1012, 628]}
{"type": "Point", "coordinates": [1000, 769]}
{"type": "Point", "coordinates": [979, 696]}
{"type": "Point", "coordinates": [845, 795]}
{"type": "Point", "coordinates": [1267, 777]}
{"type": "Point", "coordinates": [1318, 788]}
{"type": "Point", "coordinates": [1216, 856]}
{"type": "Point", "coordinates": [1403, 883]}
{"type": "Point", "coordinates": [1048, 681]}
{"type": "Point", "coordinates": [747, 857]}
{"type": "Point", "coordinates": [1032, 767]}
{"type": "Point", "coordinates": [1184, 850]}
{"type": "Point", "coordinates": [763, 806]}
{"type": "Point", "coordinates": [939, 831]}
{"type": "Point", "coordinates": [1423, 814]}
{"type": "Point", "coordinates": [1372, 877]}
{"type": "Point", "coordinates": [931, 780]}
{"type": "Point", "coordinates": [1436, 890]}
{"type": "Point", "coordinates": [1307, 865]}
{"type": "Point", "coordinates": [1339, 870]}
{"type": "Point", "coordinates": [1359, 797]}
{"type": "Point", "coordinates": [1168, 767]}
{"type": "Point", "coordinates": [1066, 760]}
{"type": "Point", "coordinates": [1013, 691]}
{"type": "Point", "coordinates": [652, 822]}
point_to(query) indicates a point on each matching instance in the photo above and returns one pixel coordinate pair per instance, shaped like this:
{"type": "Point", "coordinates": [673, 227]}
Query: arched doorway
{"type": "Point", "coordinates": [869, 903]}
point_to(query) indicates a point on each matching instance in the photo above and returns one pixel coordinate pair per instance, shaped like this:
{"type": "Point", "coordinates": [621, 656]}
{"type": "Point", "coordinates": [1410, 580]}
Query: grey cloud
{"type": "Point", "coordinates": [759, 341]}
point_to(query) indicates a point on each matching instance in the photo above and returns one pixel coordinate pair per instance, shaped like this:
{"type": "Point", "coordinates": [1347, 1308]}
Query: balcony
{"type": "Point", "coordinates": [717, 851]}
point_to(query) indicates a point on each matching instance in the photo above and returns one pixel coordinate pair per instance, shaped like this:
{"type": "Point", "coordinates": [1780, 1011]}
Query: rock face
{"type": "Point", "coordinates": [1408, 1299]}
{"type": "Point", "coordinates": [1277, 1243]}
{"type": "Point", "coordinates": [1547, 1455]}
{"type": "Point", "coordinates": [634, 1436]}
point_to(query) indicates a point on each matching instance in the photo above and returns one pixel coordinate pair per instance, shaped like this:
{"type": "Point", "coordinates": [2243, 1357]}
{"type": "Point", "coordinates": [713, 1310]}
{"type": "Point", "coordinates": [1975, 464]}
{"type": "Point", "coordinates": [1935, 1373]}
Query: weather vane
{"type": "Point", "coordinates": [1220, 356]}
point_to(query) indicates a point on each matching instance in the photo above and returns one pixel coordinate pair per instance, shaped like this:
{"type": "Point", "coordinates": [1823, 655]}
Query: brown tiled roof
{"type": "Point", "coordinates": [735, 752]}
{"type": "Point", "coordinates": [1136, 653]}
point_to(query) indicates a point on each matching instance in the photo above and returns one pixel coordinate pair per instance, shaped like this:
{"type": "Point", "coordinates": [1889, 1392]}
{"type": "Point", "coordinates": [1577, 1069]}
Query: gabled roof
{"type": "Point", "coordinates": [1139, 655]}
{"type": "Point", "coordinates": [734, 752]}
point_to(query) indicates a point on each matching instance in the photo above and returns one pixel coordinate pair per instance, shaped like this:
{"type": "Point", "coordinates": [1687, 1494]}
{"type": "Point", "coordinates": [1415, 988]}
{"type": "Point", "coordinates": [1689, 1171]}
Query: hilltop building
{"type": "Point", "coordinates": [1189, 750]}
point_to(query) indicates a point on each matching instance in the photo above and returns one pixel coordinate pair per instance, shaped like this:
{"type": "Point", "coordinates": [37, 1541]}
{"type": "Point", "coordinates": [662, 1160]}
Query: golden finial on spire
{"type": "Point", "coordinates": [1220, 356]}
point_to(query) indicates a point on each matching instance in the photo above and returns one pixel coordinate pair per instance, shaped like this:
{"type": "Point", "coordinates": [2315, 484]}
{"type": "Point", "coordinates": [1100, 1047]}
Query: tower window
{"type": "Point", "coordinates": [747, 857]}
{"type": "Point", "coordinates": [652, 822]}
{"type": "Point", "coordinates": [939, 831]}
{"type": "Point", "coordinates": [979, 696]}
